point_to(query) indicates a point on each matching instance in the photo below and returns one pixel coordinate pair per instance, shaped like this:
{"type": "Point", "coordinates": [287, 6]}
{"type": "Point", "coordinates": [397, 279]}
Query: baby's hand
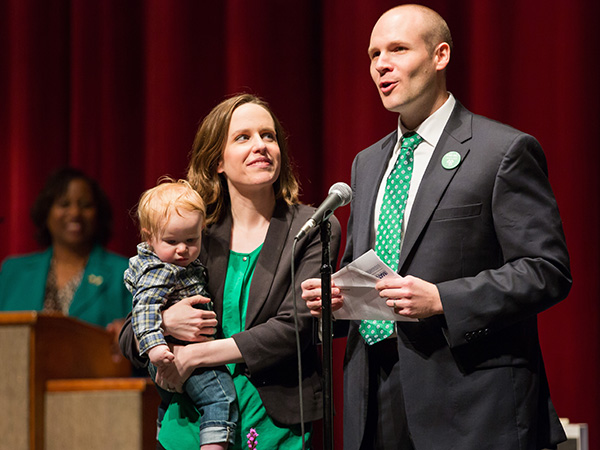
{"type": "Point", "coordinates": [161, 355]}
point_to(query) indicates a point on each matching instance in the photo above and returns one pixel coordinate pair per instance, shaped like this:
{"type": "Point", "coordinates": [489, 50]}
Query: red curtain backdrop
{"type": "Point", "coordinates": [117, 88]}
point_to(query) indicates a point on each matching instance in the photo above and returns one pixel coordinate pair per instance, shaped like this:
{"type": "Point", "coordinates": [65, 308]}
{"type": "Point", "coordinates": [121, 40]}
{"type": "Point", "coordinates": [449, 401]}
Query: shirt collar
{"type": "Point", "coordinates": [431, 129]}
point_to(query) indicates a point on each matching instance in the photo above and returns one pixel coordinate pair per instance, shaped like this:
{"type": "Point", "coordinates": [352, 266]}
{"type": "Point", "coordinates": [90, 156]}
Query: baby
{"type": "Point", "coordinates": [166, 270]}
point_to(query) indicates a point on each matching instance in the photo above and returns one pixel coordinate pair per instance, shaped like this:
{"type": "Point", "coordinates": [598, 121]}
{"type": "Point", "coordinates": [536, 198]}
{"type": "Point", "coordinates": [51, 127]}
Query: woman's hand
{"type": "Point", "coordinates": [186, 361]}
{"type": "Point", "coordinates": [184, 322]}
{"type": "Point", "coordinates": [170, 377]}
{"type": "Point", "coordinates": [187, 358]}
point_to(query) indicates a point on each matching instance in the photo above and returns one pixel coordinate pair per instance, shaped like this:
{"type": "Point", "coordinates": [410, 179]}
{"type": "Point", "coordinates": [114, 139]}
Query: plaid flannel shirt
{"type": "Point", "coordinates": [156, 285]}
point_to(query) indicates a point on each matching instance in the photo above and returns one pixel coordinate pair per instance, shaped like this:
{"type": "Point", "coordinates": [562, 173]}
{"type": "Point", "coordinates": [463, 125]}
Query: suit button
{"type": "Point", "coordinates": [468, 336]}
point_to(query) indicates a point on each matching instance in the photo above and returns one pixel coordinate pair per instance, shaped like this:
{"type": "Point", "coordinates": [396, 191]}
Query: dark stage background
{"type": "Point", "coordinates": [117, 88]}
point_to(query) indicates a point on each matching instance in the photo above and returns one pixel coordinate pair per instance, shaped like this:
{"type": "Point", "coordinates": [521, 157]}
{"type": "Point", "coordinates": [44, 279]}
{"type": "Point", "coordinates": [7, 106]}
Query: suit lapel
{"type": "Point", "coordinates": [268, 260]}
{"type": "Point", "coordinates": [215, 255]}
{"type": "Point", "coordinates": [375, 166]}
{"type": "Point", "coordinates": [457, 133]}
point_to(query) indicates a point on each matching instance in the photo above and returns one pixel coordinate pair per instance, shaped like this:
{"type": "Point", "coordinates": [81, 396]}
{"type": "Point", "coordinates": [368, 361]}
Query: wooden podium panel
{"type": "Point", "coordinates": [99, 414]}
{"type": "Point", "coordinates": [39, 347]}
{"type": "Point", "coordinates": [14, 388]}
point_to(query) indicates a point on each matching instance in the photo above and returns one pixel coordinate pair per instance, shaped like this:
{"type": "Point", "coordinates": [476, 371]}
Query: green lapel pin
{"type": "Point", "coordinates": [451, 160]}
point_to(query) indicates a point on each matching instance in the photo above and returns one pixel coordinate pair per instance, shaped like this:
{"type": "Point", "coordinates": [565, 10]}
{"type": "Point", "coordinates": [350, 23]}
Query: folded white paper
{"type": "Point", "coordinates": [357, 281]}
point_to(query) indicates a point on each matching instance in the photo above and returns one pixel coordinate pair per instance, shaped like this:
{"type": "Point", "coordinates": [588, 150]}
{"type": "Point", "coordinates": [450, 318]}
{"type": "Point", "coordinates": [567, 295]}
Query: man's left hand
{"type": "Point", "coordinates": [411, 296]}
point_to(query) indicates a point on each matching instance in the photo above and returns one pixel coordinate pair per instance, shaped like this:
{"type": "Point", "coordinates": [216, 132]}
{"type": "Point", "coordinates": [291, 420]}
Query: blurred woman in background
{"type": "Point", "coordinates": [75, 275]}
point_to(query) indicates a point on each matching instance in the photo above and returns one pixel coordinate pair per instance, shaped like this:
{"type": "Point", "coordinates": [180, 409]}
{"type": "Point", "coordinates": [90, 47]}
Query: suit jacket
{"type": "Point", "coordinates": [100, 298]}
{"type": "Point", "coordinates": [268, 343]}
{"type": "Point", "coordinates": [489, 235]}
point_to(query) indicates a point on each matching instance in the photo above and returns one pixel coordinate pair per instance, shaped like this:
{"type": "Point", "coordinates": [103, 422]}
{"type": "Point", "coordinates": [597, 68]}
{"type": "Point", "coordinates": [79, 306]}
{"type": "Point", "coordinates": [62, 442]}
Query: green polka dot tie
{"type": "Point", "coordinates": [389, 229]}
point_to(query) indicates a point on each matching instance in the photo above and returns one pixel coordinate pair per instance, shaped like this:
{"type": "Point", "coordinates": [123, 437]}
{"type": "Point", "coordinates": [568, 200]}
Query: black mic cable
{"type": "Point", "coordinates": [298, 346]}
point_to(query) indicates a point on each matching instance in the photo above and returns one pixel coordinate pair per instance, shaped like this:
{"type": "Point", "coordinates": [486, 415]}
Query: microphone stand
{"type": "Point", "coordinates": [327, 336]}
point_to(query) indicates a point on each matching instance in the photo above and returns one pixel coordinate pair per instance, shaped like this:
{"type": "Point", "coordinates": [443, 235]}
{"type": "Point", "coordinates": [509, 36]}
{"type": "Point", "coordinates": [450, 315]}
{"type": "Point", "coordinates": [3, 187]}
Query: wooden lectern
{"type": "Point", "coordinates": [35, 348]}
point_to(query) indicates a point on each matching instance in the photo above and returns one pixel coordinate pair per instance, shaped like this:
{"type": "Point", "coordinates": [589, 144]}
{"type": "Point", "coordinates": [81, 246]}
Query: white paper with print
{"type": "Point", "coordinates": [357, 281]}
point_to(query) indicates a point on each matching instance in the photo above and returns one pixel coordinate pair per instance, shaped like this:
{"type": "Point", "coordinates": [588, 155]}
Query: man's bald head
{"type": "Point", "coordinates": [434, 30]}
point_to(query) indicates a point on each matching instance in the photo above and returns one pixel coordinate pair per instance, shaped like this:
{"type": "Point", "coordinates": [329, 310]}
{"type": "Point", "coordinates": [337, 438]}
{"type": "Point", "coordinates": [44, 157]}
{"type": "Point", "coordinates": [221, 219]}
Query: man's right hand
{"type": "Point", "coordinates": [311, 293]}
{"type": "Point", "coordinates": [186, 323]}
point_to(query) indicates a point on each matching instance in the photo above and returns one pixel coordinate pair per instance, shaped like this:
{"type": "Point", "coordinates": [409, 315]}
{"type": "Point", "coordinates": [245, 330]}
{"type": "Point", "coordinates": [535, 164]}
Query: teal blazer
{"type": "Point", "coordinates": [100, 298]}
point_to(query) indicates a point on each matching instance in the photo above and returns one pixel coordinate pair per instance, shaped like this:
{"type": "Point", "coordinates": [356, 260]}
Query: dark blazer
{"type": "Point", "coordinates": [100, 298]}
{"type": "Point", "coordinates": [489, 235]}
{"type": "Point", "coordinates": [268, 343]}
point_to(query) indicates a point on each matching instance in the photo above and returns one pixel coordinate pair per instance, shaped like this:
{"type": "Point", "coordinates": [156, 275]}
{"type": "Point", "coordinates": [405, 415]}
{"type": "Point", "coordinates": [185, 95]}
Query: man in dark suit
{"type": "Point", "coordinates": [482, 253]}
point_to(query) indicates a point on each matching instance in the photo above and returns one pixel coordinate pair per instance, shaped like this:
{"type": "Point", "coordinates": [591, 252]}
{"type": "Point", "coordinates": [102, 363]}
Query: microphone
{"type": "Point", "coordinates": [340, 194]}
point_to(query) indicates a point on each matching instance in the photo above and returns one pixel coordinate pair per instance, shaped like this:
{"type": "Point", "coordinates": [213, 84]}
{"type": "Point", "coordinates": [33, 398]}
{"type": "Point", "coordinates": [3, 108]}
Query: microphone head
{"type": "Point", "coordinates": [343, 191]}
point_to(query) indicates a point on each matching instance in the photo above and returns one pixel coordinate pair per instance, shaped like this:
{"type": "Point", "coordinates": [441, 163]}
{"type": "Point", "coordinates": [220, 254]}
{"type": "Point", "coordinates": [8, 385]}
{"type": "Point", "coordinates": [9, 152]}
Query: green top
{"type": "Point", "coordinates": [180, 425]}
{"type": "Point", "coordinates": [100, 298]}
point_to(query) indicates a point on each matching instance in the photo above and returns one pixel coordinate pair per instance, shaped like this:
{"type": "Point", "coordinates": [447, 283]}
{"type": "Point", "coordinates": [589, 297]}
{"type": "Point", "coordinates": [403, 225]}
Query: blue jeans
{"type": "Point", "coordinates": [213, 394]}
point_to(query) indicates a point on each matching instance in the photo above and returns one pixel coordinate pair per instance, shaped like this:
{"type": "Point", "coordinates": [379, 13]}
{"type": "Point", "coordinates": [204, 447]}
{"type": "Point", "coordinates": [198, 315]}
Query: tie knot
{"type": "Point", "coordinates": [410, 140]}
